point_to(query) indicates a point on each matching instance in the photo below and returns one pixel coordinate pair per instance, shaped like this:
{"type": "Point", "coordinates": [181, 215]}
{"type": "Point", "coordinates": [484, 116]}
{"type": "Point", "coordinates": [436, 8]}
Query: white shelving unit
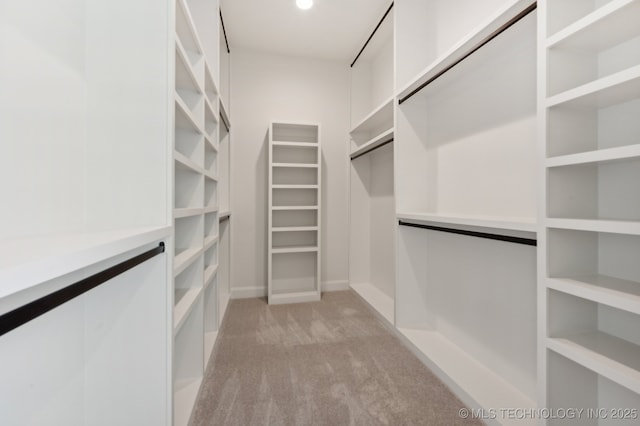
{"type": "Point", "coordinates": [466, 292]}
{"type": "Point", "coordinates": [372, 211]}
{"type": "Point", "coordinates": [294, 213]}
{"type": "Point", "coordinates": [199, 300]}
{"type": "Point", "coordinates": [589, 101]}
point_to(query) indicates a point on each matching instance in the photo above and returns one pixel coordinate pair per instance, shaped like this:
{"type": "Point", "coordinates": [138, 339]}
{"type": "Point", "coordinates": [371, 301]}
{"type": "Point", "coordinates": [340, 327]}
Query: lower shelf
{"type": "Point", "coordinates": [306, 296]}
{"type": "Point", "coordinates": [184, 398]}
{"type": "Point", "coordinates": [378, 300]}
{"type": "Point", "coordinates": [209, 341]}
{"type": "Point", "coordinates": [474, 384]}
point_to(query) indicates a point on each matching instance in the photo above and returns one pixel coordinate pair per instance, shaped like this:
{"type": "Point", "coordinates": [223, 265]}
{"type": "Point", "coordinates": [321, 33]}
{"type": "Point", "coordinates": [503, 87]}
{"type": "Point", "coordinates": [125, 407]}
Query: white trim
{"type": "Point", "coordinates": [248, 292]}
{"type": "Point", "coordinates": [336, 285]}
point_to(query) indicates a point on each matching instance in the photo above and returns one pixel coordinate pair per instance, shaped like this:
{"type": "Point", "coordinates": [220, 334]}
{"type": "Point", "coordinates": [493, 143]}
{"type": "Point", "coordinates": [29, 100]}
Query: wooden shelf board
{"type": "Point", "coordinates": [622, 153]}
{"type": "Point", "coordinates": [296, 165]}
{"type": "Point", "coordinates": [293, 228]}
{"type": "Point", "coordinates": [613, 89]}
{"type": "Point", "coordinates": [373, 143]}
{"type": "Point", "coordinates": [299, 297]}
{"type": "Point", "coordinates": [287, 208]}
{"type": "Point", "coordinates": [379, 301]}
{"type": "Point", "coordinates": [382, 114]}
{"type": "Point", "coordinates": [294, 249]}
{"type": "Point", "coordinates": [607, 26]}
{"type": "Point", "coordinates": [184, 258]}
{"type": "Point", "coordinates": [186, 300]}
{"type": "Point", "coordinates": [616, 359]}
{"type": "Point", "coordinates": [595, 225]}
{"type": "Point", "coordinates": [610, 291]}
{"type": "Point", "coordinates": [475, 384]}
{"type": "Point", "coordinates": [184, 399]}
{"type": "Point", "coordinates": [496, 222]}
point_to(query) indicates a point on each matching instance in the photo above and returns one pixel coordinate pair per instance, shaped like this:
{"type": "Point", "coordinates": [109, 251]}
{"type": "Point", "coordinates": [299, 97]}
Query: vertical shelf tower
{"type": "Point", "coordinates": [294, 213]}
{"type": "Point", "coordinates": [589, 291]}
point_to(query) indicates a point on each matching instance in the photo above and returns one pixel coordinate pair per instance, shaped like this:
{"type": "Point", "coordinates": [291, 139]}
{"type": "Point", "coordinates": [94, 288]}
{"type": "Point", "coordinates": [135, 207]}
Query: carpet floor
{"type": "Point", "coordinates": [322, 363]}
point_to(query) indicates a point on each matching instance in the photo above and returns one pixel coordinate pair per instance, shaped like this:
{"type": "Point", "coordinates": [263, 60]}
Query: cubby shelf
{"type": "Point", "coordinates": [611, 357]}
{"type": "Point", "coordinates": [185, 75]}
{"type": "Point", "coordinates": [611, 24]}
{"type": "Point", "coordinates": [296, 144]}
{"type": "Point", "coordinates": [210, 241]}
{"type": "Point", "coordinates": [294, 186]}
{"type": "Point", "coordinates": [598, 156]}
{"type": "Point", "coordinates": [182, 162]}
{"type": "Point", "coordinates": [187, 298]}
{"type": "Point", "coordinates": [293, 208]}
{"type": "Point", "coordinates": [295, 165]}
{"type": "Point", "coordinates": [373, 143]}
{"type": "Point", "coordinates": [293, 228]}
{"type": "Point", "coordinates": [186, 212]}
{"type": "Point", "coordinates": [610, 291]}
{"type": "Point", "coordinates": [209, 273]}
{"type": "Point", "coordinates": [184, 117]}
{"type": "Point", "coordinates": [379, 117]}
{"type": "Point", "coordinates": [184, 258]}
{"type": "Point", "coordinates": [610, 226]}
{"type": "Point", "coordinates": [184, 397]}
{"type": "Point", "coordinates": [294, 249]}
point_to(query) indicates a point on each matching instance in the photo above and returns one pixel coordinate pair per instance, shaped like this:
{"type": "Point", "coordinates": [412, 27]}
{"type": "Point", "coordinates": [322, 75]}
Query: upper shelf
{"type": "Point", "coordinates": [27, 263]}
{"type": "Point", "coordinates": [613, 23]}
{"type": "Point", "coordinates": [186, 29]}
{"type": "Point", "coordinates": [507, 223]}
{"type": "Point", "coordinates": [373, 143]}
{"type": "Point", "coordinates": [467, 44]}
{"type": "Point", "coordinates": [377, 118]}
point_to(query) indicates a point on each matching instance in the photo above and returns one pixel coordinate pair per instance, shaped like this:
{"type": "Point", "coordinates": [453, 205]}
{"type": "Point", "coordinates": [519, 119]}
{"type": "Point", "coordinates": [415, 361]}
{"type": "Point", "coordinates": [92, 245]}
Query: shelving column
{"type": "Point", "coordinates": [589, 287]}
{"type": "Point", "coordinates": [294, 213]}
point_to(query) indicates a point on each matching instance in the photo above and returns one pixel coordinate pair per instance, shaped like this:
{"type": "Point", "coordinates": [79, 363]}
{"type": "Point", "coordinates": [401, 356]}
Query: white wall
{"type": "Point", "coordinates": [278, 88]}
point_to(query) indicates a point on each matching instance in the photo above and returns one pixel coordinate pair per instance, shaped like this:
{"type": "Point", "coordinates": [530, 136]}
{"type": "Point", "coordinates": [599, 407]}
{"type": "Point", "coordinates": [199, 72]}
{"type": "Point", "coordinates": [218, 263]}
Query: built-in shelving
{"type": "Point", "coordinates": [294, 213]}
{"type": "Point", "coordinates": [589, 279]}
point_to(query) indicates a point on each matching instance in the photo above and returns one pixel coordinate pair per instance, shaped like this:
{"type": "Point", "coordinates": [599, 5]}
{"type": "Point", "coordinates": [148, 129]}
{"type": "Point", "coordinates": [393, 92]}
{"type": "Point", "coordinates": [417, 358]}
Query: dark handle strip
{"type": "Point", "coordinates": [24, 314]}
{"type": "Point", "coordinates": [372, 34]}
{"type": "Point", "coordinates": [484, 41]}
{"type": "Point", "coordinates": [498, 237]}
{"type": "Point", "coordinates": [224, 32]}
{"type": "Point", "coordinates": [371, 149]}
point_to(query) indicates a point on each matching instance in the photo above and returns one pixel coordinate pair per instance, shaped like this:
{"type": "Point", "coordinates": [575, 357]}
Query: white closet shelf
{"type": "Point", "coordinates": [294, 249]}
{"type": "Point", "coordinates": [210, 87]}
{"type": "Point", "coordinates": [187, 212]}
{"type": "Point", "coordinates": [610, 291]}
{"type": "Point", "coordinates": [184, 258]}
{"type": "Point", "coordinates": [211, 176]}
{"type": "Point", "coordinates": [380, 302]}
{"type": "Point", "coordinates": [209, 241]}
{"type": "Point", "coordinates": [294, 186]}
{"type": "Point", "coordinates": [293, 208]}
{"type": "Point", "coordinates": [28, 263]}
{"type": "Point", "coordinates": [296, 144]}
{"type": "Point", "coordinates": [296, 165]}
{"type": "Point", "coordinates": [599, 156]}
{"type": "Point", "coordinates": [184, 163]}
{"type": "Point", "coordinates": [460, 49]}
{"type": "Point", "coordinates": [185, 76]}
{"type": "Point", "coordinates": [381, 115]}
{"type": "Point", "coordinates": [209, 341]}
{"type": "Point", "coordinates": [211, 142]}
{"type": "Point", "coordinates": [304, 296]}
{"type": "Point", "coordinates": [481, 386]}
{"type": "Point", "coordinates": [223, 113]}
{"type": "Point", "coordinates": [614, 89]}
{"type": "Point", "coordinates": [224, 215]}
{"type": "Point", "coordinates": [294, 228]}
{"type": "Point", "coordinates": [187, 298]}
{"type": "Point", "coordinates": [607, 26]}
{"type": "Point", "coordinates": [373, 143]}
{"type": "Point", "coordinates": [209, 273]}
{"type": "Point", "coordinates": [184, 117]}
{"type": "Point", "coordinates": [210, 209]}
{"type": "Point", "coordinates": [184, 398]}
{"type": "Point", "coordinates": [210, 111]}
{"type": "Point", "coordinates": [616, 359]}
{"type": "Point", "coordinates": [496, 222]}
{"type": "Point", "coordinates": [186, 29]}
{"type": "Point", "coordinates": [609, 226]}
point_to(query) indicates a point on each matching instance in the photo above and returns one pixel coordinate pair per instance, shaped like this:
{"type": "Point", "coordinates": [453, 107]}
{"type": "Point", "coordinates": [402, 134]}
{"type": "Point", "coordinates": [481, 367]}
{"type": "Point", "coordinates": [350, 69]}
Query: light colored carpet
{"type": "Point", "coordinates": [322, 363]}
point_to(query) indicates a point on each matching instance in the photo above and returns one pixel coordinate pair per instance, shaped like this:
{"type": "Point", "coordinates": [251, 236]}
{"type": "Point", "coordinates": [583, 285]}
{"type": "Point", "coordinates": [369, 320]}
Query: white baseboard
{"type": "Point", "coordinates": [339, 285]}
{"type": "Point", "coordinates": [248, 292]}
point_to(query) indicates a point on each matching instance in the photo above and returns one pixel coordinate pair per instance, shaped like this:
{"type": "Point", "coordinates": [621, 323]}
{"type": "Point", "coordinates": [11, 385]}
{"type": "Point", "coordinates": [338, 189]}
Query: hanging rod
{"type": "Point", "coordinates": [32, 310]}
{"type": "Point", "coordinates": [226, 41]}
{"type": "Point", "coordinates": [497, 237]}
{"type": "Point", "coordinates": [473, 49]}
{"type": "Point", "coordinates": [372, 34]}
{"type": "Point", "coordinates": [360, 154]}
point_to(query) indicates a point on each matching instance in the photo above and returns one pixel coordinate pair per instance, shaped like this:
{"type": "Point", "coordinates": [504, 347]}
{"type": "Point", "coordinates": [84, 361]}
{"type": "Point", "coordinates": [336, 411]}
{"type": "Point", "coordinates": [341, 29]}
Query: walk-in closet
{"type": "Point", "coordinates": [300, 212]}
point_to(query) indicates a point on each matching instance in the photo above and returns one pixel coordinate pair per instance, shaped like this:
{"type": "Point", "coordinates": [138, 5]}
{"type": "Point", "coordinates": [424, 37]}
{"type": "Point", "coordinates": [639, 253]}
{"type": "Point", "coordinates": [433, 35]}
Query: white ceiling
{"type": "Point", "coordinates": [331, 29]}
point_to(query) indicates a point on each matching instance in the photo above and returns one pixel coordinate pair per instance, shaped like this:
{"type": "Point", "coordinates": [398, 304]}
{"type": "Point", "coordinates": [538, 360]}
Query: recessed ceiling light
{"type": "Point", "coordinates": [304, 4]}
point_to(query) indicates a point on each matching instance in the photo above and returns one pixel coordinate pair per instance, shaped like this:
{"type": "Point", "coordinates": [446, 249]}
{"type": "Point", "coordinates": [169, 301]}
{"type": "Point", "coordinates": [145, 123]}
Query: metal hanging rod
{"type": "Point", "coordinates": [32, 310]}
{"type": "Point", "coordinates": [473, 49]}
{"type": "Point", "coordinates": [360, 154]}
{"type": "Point", "coordinates": [372, 34]}
{"type": "Point", "coordinates": [224, 32]}
{"type": "Point", "coordinates": [497, 237]}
